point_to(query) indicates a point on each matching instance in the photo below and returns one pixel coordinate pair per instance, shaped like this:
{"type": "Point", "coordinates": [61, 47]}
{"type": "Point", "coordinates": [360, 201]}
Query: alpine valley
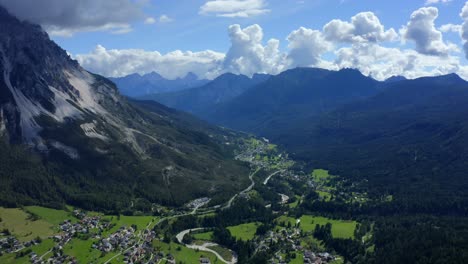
{"type": "Point", "coordinates": [308, 165]}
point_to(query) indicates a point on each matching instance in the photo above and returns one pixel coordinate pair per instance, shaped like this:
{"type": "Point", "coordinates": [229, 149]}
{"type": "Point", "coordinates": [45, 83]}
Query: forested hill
{"type": "Point", "coordinates": [285, 99]}
{"type": "Point", "coordinates": [408, 141]}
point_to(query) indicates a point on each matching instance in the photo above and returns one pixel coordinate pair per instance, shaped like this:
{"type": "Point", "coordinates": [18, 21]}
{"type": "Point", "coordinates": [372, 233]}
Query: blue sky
{"type": "Point", "coordinates": [381, 38]}
{"type": "Point", "coordinates": [191, 31]}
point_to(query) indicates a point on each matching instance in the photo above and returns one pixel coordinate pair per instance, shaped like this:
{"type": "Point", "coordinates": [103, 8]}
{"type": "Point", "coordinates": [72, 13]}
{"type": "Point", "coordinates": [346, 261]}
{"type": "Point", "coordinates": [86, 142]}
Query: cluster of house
{"type": "Point", "coordinates": [10, 244]}
{"type": "Point", "coordinates": [123, 238]}
{"type": "Point", "coordinates": [251, 152]}
{"type": "Point", "coordinates": [319, 258]}
{"type": "Point", "coordinates": [57, 258]}
{"type": "Point", "coordinates": [289, 237]}
{"type": "Point", "coordinates": [198, 202]}
{"type": "Point", "coordinates": [69, 229]}
{"type": "Point", "coordinates": [142, 250]}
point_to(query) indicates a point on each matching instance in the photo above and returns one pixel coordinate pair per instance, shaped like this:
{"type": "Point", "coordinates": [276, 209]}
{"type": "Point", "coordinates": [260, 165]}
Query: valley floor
{"type": "Point", "coordinates": [277, 230]}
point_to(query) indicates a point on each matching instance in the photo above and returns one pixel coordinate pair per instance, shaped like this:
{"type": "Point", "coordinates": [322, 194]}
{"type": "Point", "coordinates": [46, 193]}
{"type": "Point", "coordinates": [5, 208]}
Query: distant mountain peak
{"type": "Point", "coordinates": [190, 77]}
{"type": "Point", "coordinates": [395, 78]}
{"type": "Point", "coordinates": [135, 85]}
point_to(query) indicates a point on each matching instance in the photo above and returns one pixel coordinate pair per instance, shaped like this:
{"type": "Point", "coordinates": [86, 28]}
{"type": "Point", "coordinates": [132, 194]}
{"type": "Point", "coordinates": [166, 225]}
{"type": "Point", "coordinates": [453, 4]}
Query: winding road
{"type": "Point", "coordinates": [204, 247]}
{"type": "Point", "coordinates": [271, 175]}
{"type": "Point", "coordinates": [248, 189]}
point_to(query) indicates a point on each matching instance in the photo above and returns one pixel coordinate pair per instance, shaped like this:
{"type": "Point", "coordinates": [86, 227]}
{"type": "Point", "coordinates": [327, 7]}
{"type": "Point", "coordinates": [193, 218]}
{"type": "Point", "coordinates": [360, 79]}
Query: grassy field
{"type": "Point", "coordinates": [183, 254]}
{"type": "Point", "coordinates": [299, 259]}
{"type": "Point", "coordinates": [225, 253]}
{"type": "Point", "coordinates": [206, 236]}
{"type": "Point", "coordinates": [17, 222]}
{"type": "Point", "coordinates": [326, 196]}
{"type": "Point", "coordinates": [320, 175]}
{"type": "Point", "coordinates": [340, 228]}
{"type": "Point", "coordinates": [81, 249]}
{"type": "Point", "coordinates": [52, 216]}
{"type": "Point", "coordinates": [244, 231]}
{"type": "Point", "coordinates": [286, 220]}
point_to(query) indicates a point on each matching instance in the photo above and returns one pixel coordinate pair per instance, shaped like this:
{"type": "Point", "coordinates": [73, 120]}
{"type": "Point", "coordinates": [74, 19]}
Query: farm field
{"type": "Point", "coordinates": [22, 225]}
{"type": "Point", "coordinates": [52, 216]}
{"type": "Point", "coordinates": [340, 228]}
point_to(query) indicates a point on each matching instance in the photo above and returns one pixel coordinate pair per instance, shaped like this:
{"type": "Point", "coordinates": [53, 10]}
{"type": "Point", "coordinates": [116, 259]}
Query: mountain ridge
{"type": "Point", "coordinates": [136, 85]}
{"type": "Point", "coordinates": [203, 99]}
{"type": "Point", "coordinates": [90, 146]}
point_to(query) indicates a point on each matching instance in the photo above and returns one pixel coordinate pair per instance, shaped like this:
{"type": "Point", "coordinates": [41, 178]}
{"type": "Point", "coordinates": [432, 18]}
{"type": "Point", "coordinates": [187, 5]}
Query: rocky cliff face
{"type": "Point", "coordinates": [38, 78]}
{"type": "Point", "coordinates": [93, 141]}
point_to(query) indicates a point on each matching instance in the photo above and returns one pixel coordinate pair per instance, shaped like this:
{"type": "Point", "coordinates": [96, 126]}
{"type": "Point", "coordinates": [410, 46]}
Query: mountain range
{"type": "Point", "coordinates": [204, 99]}
{"type": "Point", "coordinates": [68, 136]}
{"type": "Point", "coordinates": [136, 85]}
{"type": "Point", "coordinates": [404, 137]}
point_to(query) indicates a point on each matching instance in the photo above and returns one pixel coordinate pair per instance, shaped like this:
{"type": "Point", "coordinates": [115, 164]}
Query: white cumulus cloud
{"type": "Point", "coordinates": [234, 8]}
{"type": "Point", "coordinates": [364, 27]}
{"type": "Point", "coordinates": [247, 54]}
{"type": "Point", "coordinates": [464, 28]}
{"type": "Point", "coordinates": [306, 47]}
{"type": "Point", "coordinates": [422, 31]}
{"type": "Point", "coordinates": [113, 63]}
{"type": "Point", "coordinates": [384, 62]}
{"type": "Point", "coordinates": [358, 43]}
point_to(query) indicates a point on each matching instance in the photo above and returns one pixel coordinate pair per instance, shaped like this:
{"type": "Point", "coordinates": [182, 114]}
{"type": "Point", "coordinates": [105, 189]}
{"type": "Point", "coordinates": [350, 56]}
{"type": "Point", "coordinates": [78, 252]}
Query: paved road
{"type": "Point", "coordinates": [181, 235]}
{"type": "Point", "coordinates": [204, 247]}
{"type": "Point", "coordinates": [248, 189]}
{"type": "Point", "coordinates": [271, 175]}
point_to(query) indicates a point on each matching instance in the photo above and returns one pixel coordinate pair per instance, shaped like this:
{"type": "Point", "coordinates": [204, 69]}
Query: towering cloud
{"type": "Point", "coordinates": [421, 29]}
{"type": "Point", "coordinates": [464, 29]}
{"type": "Point", "coordinates": [248, 55]}
{"type": "Point", "coordinates": [306, 47]}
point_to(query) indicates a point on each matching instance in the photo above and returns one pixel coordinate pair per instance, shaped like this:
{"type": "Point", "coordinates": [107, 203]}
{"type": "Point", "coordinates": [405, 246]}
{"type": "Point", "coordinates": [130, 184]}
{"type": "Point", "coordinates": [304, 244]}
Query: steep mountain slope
{"type": "Point", "coordinates": [202, 100]}
{"type": "Point", "coordinates": [290, 97]}
{"type": "Point", "coordinates": [408, 141]}
{"type": "Point", "coordinates": [85, 144]}
{"type": "Point", "coordinates": [136, 85]}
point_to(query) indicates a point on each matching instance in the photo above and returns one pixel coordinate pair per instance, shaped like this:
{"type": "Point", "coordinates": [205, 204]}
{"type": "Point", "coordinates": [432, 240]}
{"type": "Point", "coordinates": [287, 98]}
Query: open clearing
{"type": "Point", "coordinates": [340, 228]}
{"type": "Point", "coordinates": [18, 222]}
{"type": "Point", "coordinates": [320, 175]}
{"type": "Point", "coordinates": [245, 231]}
{"type": "Point", "coordinates": [206, 236]}
{"type": "Point", "coordinates": [53, 216]}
